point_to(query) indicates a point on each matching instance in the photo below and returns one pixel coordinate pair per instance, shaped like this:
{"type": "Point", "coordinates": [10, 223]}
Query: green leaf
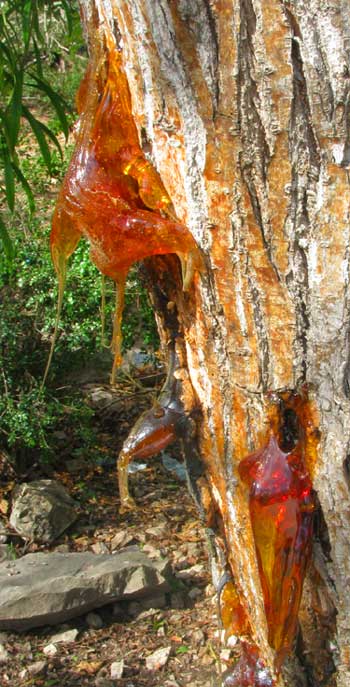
{"type": "Point", "coordinates": [38, 130]}
{"type": "Point", "coordinates": [36, 25]}
{"type": "Point", "coordinates": [53, 138]}
{"type": "Point", "coordinates": [9, 177]}
{"type": "Point", "coordinates": [10, 56]}
{"type": "Point", "coordinates": [56, 100]}
{"type": "Point", "coordinates": [37, 59]}
{"type": "Point", "coordinates": [14, 110]}
{"type": "Point", "coordinates": [6, 240]}
{"type": "Point", "coordinates": [26, 188]}
{"type": "Point", "coordinates": [182, 649]}
{"type": "Point", "coordinates": [69, 16]}
{"type": "Point", "coordinates": [26, 14]}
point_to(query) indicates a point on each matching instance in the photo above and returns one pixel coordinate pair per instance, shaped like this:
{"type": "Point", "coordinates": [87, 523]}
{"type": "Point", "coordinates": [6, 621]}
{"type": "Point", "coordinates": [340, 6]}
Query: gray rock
{"type": "Point", "coordinates": [134, 609]}
{"type": "Point", "coordinates": [65, 637]}
{"type": "Point", "coordinates": [151, 551]}
{"type": "Point", "coordinates": [158, 601]}
{"type": "Point", "coordinates": [122, 539]}
{"type": "Point", "coordinates": [4, 654]}
{"type": "Point", "coordinates": [99, 398]}
{"type": "Point", "coordinates": [5, 553]}
{"type": "Point", "coordinates": [177, 600]}
{"type": "Point", "coordinates": [117, 669]}
{"type": "Point", "coordinates": [194, 593]}
{"type": "Point", "coordinates": [117, 610]}
{"type": "Point", "coordinates": [46, 589]}
{"type": "Point", "coordinates": [3, 534]}
{"type": "Point", "coordinates": [94, 621]}
{"type": "Point", "coordinates": [37, 667]}
{"type": "Point", "coordinates": [158, 659]}
{"type": "Point", "coordinates": [42, 510]}
{"type": "Point", "coordinates": [62, 548]}
{"type": "Point", "coordinates": [50, 650]}
{"type": "Point", "coordinates": [99, 547]}
{"type": "Point", "coordinates": [197, 571]}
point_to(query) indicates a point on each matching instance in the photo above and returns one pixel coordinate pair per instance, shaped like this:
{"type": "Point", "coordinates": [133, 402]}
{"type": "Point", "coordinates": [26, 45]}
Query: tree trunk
{"type": "Point", "coordinates": [243, 108]}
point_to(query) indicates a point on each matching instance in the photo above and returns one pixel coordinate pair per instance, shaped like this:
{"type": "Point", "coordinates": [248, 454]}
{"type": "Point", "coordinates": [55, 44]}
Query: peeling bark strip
{"type": "Point", "coordinates": [243, 109]}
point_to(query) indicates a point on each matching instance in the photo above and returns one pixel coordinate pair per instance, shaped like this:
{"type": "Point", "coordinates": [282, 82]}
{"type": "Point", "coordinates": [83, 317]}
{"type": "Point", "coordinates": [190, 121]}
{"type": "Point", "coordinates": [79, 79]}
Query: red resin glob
{"type": "Point", "coordinates": [249, 671]}
{"type": "Point", "coordinates": [154, 430]}
{"type": "Point", "coordinates": [112, 195]}
{"type": "Point", "coordinates": [281, 508]}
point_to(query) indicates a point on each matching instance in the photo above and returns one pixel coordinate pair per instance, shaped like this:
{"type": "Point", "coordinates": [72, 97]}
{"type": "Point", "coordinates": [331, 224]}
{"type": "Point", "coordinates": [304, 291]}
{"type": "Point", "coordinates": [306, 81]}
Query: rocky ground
{"type": "Point", "coordinates": [170, 640]}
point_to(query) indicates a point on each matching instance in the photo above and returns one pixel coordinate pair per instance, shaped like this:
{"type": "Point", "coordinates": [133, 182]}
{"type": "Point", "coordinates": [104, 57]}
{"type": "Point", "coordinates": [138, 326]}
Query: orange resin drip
{"type": "Point", "coordinates": [281, 509]}
{"type": "Point", "coordinates": [154, 431]}
{"type": "Point", "coordinates": [233, 616]}
{"type": "Point", "coordinates": [111, 194]}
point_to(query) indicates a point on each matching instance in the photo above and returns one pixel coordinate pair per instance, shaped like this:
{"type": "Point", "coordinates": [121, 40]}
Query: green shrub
{"type": "Point", "coordinates": [29, 415]}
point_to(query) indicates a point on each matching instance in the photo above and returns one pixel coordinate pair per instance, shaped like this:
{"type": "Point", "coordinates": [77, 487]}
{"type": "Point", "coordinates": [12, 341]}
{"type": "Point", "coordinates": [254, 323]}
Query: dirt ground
{"type": "Point", "coordinates": [165, 524]}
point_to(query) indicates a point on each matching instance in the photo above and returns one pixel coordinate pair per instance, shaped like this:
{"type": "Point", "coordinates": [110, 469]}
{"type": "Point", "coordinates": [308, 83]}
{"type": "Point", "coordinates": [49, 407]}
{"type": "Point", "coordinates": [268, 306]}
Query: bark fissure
{"type": "Point", "coordinates": [305, 173]}
{"type": "Point", "coordinates": [198, 14]}
{"type": "Point", "coordinates": [264, 353]}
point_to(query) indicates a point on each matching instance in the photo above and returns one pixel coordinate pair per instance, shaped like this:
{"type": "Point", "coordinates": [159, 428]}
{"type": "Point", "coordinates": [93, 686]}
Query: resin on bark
{"type": "Point", "coordinates": [249, 671]}
{"type": "Point", "coordinates": [281, 504]}
{"type": "Point", "coordinates": [112, 195]}
{"type": "Point", "coordinates": [232, 614]}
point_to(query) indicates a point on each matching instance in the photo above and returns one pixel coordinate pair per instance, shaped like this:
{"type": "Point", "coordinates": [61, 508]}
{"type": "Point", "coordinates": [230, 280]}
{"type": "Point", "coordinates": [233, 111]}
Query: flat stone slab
{"type": "Point", "coordinates": [49, 588]}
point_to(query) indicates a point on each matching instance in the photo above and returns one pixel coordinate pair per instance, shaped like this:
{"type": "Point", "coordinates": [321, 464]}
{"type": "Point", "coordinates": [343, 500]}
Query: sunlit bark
{"type": "Point", "coordinates": [243, 108]}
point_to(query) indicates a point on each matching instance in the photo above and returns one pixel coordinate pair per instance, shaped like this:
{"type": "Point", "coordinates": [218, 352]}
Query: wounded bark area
{"type": "Point", "coordinates": [243, 108]}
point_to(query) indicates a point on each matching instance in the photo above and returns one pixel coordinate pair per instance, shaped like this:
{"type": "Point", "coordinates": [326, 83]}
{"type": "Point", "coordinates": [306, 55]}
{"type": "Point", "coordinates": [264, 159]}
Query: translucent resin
{"type": "Point", "coordinates": [154, 430]}
{"type": "Point", "coordinates": [111, 194]}
{"type": "Point", "coordinates": [281, 508]}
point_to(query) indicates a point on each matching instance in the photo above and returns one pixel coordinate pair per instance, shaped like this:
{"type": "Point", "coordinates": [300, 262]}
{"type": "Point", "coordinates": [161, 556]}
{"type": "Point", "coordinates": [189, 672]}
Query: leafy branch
{"type": "Point", "coordinates": [27, 42]}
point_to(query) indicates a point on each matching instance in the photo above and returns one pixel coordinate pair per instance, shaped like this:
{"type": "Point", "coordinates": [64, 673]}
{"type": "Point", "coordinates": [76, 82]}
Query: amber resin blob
{"type": "Point", "coordinates": [281, 504]}
{"type": "Point", "coordinates": [112, 195]}
{"type": "Point", "coordinates": [155, 429]}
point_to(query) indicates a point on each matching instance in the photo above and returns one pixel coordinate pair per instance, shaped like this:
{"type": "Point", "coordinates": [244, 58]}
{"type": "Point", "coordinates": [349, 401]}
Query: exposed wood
{"type": "Point", "coordinates": [243, 108]}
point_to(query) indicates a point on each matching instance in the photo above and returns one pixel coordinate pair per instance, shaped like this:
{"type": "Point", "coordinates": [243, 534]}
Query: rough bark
{"type": "Point", "coordinates": [243, 107]}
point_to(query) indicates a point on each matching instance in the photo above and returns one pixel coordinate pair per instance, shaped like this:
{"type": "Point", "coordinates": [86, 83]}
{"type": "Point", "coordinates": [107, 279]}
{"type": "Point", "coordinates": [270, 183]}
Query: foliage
{"type": "Point", "coordinates": [30, 33]}
{"type": "Point", "coordinates": [30, 416]}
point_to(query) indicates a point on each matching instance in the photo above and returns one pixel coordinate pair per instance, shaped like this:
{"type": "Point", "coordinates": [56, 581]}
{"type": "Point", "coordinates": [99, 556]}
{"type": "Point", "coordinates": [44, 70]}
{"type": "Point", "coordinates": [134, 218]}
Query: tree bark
{"type": "Point", "coordinates": [243, 108]}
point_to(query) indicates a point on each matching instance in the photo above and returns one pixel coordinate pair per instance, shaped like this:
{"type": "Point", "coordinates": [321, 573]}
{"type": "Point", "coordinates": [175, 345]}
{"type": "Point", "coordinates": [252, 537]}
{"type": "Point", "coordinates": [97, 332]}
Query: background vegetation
{"type": "Point", "coordinates": [42, 58]}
